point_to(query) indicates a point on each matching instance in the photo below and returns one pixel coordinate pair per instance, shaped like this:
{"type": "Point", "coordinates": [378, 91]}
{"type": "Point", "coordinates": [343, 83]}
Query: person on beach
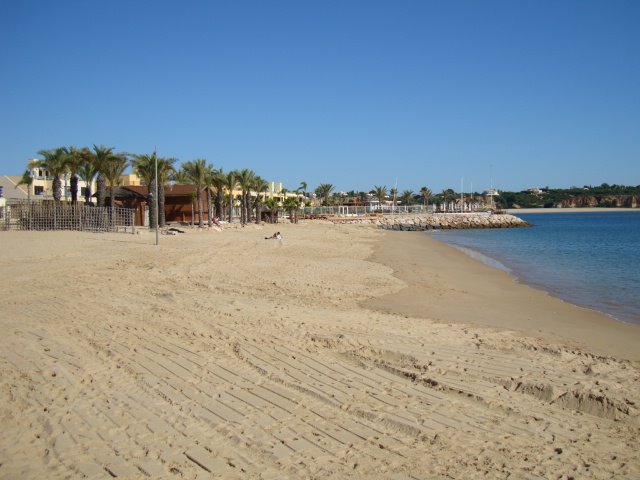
{"type": "Point", "coordinates": [275, 236]}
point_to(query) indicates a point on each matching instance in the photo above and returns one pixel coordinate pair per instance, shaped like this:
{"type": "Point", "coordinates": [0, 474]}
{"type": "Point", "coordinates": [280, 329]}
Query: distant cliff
{"type": "Point", "coordinates": [601, 196]}
{"type": "Point", "coordinates": [628, 201]}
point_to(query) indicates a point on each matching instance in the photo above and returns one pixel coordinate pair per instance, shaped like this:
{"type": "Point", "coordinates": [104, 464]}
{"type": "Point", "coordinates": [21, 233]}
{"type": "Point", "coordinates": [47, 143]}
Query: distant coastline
{"type": "Point", "coordinates": [571, 210]}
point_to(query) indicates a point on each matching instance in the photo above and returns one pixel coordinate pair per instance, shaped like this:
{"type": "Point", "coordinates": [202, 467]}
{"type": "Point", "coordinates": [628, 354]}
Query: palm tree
{"type": "Point", "coordinates": [165, 171]}
{"type": "Point", "coordinates": [380, 193]}
{"type": "Point", "coordinates": [363, 197]}
{"type": "Point", "coordinates": [292, 205]}
{"type": "Point", "coordinates": [245, 179]}
{"type": "Point", "coordinates": [324, 191]}
{"type": "Point", "coordinates": [55, 161]}
{"type": "Point", "coordinates": [101, 155]}
{"type": "Point", "coordinates": [209, 184]}
{"type": "Point", "coordinates": [261, 186]}
{"type": "Point", "coordinates": [75, 159]}
{"type": "Point", "coordinates": [407, 197]}
{"type": "Point", "coordinates": [27, 180]}
{"type": "Point", "coordinates": [447, 196]}
{"type": "Point", "coordinates": [302, 188]}
{"type": "Point", "coordinates": [144, 166]}
{"type": "Point", "coordinates": [112, 168]}
{"type": "Point", "coordinates": [194, 197]}
{"type": "Point", "coordinates": [180, 177]}
{"type": "Point", "coordinates": [230, 183]}
{"type": "Point", "coordinates": [197, 171]}
{"type": "Point", "coordinates": [217, 181]}
{"type": "Point", "coordinates": [272, 204]}
{"type": "Point", "coordinates": [87, 171]}
{"type": "Point", "coordinates": [426, 195]}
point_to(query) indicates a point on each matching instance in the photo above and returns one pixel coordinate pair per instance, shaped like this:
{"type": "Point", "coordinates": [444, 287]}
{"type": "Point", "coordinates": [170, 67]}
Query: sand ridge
{"type": "Point", "coordinates": [223, 355]}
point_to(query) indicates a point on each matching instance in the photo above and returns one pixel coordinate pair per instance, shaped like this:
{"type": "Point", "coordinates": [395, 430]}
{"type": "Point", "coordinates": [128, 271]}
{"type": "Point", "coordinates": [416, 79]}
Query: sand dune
{"type": "Point", "coordinates": [224, 355]}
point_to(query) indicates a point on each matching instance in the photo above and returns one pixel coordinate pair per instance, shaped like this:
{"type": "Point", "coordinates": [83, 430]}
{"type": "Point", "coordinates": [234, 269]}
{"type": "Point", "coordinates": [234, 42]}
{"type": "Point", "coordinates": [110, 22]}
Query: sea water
{"type": "Point", "coordinates": [589, 259]}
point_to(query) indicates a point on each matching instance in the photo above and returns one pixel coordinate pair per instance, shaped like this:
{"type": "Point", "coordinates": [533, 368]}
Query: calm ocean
{"type": "Point", "coordinates": [589, 259]}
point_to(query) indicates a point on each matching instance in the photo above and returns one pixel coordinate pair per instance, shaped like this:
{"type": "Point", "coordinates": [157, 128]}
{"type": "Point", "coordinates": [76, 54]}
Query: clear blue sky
{"type": "Point", "coordinates": [353, 93]}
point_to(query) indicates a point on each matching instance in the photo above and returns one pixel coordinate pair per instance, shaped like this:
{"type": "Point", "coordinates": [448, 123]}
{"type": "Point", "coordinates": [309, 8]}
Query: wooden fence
{"type": "Point", "coordinates": [49, 215]}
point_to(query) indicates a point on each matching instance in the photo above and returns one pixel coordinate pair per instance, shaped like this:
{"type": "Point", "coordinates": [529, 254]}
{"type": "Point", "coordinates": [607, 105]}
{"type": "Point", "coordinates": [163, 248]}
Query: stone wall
{"type": "Point", "coordinates": [440, 221]}
{"type": "Point", "coordinates": [449, 221]}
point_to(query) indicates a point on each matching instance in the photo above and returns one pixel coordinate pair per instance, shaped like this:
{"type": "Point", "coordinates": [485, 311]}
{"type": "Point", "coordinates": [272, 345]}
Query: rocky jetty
{"type": "Point", "coordinates": [450, 221]}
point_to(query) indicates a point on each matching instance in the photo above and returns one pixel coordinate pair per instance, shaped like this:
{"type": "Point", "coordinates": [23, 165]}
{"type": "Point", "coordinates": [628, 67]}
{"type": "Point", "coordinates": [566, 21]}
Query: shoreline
{"type": "Point", "coordinates": [445, 284]}
{"type": "Point", "coordinates": [541, 288]}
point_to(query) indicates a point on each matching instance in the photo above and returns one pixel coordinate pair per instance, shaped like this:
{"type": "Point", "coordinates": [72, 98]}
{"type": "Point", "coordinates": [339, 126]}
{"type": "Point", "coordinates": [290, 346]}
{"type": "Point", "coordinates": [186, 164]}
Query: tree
{"type": "Point", "coordinates": [208, 182]}
{"type": "Point", "coordinates": [426, 195]}
{"type": "Point", "coordinates": [272, 205]}
{"type": "Point", "coordinates": [324, 191]}
{"type": "Point", "coordinates": [180, 177]}
{"type": "Point", "coordinates": [193, 196]}
{"type": "Point", "coordinates": [245, 179]}
{"type": "Point", "coordinates": [261, 186]}
{"type": "Point", "coordinates": [101, 155]}
{"type": "Point", "coordinates": [197, 171]}
{"type": "Point", "coordinates": [292, 205]}
{"type": "Point", "coordinates": [447, 196]}
{"type": "Point", "coordinates": [217, 180]}
{"type": "Point", "coordinates": [55, 160]}
{"type": "Point", "coordinates": [144, 166]}
{"type": "Point", "coordinates": [27, 180]}
{"type": "Point", "coordinates": [165, 171]}
{"type": "Point", "coordinates": [75, 160]}
{"type": "Point", "coordinates": [407, 197]}
{"type": "Point", "coordinates": [302, 188]}
{"type": "Point", "coordinates": [230, 183]}
{"type": "Point", "coordinates": [87, 171]}
{"type": "Point", "coordinates": [380, 192]}
{"type": "Point", "coordinates": [112, 168]}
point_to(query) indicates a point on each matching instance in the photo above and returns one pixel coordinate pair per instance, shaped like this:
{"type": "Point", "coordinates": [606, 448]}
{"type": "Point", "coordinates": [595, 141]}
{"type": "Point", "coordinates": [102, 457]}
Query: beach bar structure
{"type": "Point", "coordinates": [178, 206]}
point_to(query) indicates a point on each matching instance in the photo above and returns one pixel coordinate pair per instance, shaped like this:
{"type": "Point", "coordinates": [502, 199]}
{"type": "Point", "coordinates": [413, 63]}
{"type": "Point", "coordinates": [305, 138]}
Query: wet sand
{"type": "Point", "coordinates": [448, 286]}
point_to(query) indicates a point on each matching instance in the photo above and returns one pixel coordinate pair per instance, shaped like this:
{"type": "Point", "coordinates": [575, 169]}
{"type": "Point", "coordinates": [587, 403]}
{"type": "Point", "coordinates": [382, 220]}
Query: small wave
{"type": "Point", "coordinates": [491, 262]}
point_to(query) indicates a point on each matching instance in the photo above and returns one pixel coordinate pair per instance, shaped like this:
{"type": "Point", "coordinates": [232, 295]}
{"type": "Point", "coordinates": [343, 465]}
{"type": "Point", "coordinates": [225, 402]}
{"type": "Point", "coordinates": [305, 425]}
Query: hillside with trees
{"type": "Point", "coordinates": [604, 196]}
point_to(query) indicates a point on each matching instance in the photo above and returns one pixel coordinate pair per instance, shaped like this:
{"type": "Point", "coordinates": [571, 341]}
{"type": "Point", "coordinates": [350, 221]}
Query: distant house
{"type": "Point", "coordinates": [10, 189]}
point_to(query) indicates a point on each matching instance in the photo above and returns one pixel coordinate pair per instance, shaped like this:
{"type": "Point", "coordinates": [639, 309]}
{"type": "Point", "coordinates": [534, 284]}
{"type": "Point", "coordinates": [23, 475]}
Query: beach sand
{"type": "Point", "coordinates": [340, 352]}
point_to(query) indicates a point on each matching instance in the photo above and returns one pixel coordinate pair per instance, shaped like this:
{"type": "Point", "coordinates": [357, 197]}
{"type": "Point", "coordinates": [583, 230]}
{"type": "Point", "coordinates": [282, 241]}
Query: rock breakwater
{"type": "Point", "coordinates": [439, 221]}
{"type": "Point", "coordinates": [450, 221]}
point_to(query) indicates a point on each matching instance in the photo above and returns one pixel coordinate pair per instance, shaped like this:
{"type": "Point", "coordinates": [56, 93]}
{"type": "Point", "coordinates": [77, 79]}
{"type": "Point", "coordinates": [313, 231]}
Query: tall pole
{"type": "Point", "coordinates": [395, 193]}
{"type": "Point", "coordinates": [155, 156]}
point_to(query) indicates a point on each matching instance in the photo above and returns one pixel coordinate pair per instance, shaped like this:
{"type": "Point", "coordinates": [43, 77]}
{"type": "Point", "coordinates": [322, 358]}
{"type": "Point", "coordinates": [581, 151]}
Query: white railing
{"type": "Point", "coordinates": [358, 211]}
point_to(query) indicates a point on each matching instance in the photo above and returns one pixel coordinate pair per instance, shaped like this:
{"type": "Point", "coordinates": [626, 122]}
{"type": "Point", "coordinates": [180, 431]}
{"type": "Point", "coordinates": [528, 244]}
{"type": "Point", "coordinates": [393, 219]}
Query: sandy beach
{"type": "Point", "coordinates": [342, 351]}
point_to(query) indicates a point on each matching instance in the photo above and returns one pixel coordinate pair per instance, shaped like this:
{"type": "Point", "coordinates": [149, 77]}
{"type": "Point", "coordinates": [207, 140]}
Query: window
{"type": "Point", "coordinates": [37, 190]}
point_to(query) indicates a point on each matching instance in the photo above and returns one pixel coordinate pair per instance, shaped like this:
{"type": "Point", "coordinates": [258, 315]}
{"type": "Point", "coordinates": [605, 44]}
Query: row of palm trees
{"type": "Point", "coordinates": [325, 192]}
{"type": "Point", "coordinates": [104, 166]}
{"type": "Point", "coordinates": [100, 164]}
